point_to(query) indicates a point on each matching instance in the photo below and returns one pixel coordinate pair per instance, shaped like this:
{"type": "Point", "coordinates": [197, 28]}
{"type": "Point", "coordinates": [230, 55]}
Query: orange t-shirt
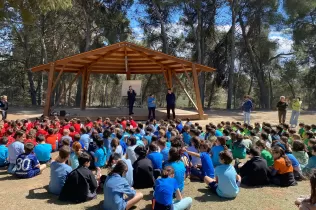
{"type": "Point", "coordinates": [281, 167]}
{"type": "Point", "coordinates": [51, 139]}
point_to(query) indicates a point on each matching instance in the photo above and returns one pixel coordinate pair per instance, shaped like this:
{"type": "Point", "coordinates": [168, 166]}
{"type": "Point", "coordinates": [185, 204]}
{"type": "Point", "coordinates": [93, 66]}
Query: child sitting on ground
{"type": "Point", "coordinates": [206, 167]}
{"type": "Point", "coordinates": [220, 145]}
{"type": "Point", "coordinates": [77, 150]}
{"type": "Point", "coordinates": [282, 171]}
{"type": "Point", "coordinates": [239, 149]}
{"type": "Point", "coordinates": [3, 152]}
{"type": "Point", "coordinates": [308, 202]}
{"type": "Point", "coordinates": [42, 150]}
{"type": "Point", "coordinates": [59, 171]}
{"type": "Point", "coordinates": [265, 152]}
{"type": "Point", "coordinates": [300, 153]}
{"type": "Point", "coordinates": [165, 187]}
{"type": "Point", "coordinates": [307, 171]}
{"type": "Point", "coordinates": [226, 180]}
{"type": "Point", "coordinates": [27, 165]}
{"type": "Point", "coordinates": [14, 150]}
{"type": "Point", "coordinates": [156, 159]}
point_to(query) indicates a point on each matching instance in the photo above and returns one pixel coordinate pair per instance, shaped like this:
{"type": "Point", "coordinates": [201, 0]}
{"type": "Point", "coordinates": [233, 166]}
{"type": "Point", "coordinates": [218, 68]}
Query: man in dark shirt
{"type": "Point", "coordinates": [131, 96]}
{"type": "Point", "coordinates": [255, 172]}
{"type": "Point", "coordinates": [4, 107]}
{"type": "Point", "coordinates": [171, 103]}
{"type": "Point", "coordinates": [282, 107]}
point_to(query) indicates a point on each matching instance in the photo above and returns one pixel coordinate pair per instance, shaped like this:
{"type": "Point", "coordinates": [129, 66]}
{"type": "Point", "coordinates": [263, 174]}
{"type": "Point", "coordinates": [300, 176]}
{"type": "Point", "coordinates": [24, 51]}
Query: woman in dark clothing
{"type": "Point", "coordinates": [143, 170]}
{"type": "Point", "coordinates": [81, 184]}
{"type": "Point", "coordinates": [131, 96]}
{"type": "Point", "coordinates": [282, 107]}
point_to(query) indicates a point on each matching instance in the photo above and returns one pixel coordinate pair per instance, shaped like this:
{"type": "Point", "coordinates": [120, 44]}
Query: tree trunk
{"type": "Point", "coordinates": [162, 28]}
{"type": "Point", "coordinates": [32, 86]}
{"type": "Point", "coordinates": [250, 86]}
{"type": "Point", "coordinates": [264, 97]}
{"type": "Point", "coordinates": [232, 58]}
{"type": "Point", "coordinates": [146, 87]}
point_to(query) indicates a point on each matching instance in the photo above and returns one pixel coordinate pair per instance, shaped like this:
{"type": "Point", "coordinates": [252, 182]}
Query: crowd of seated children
{"type": "Point", "coordinates": [147, 149]}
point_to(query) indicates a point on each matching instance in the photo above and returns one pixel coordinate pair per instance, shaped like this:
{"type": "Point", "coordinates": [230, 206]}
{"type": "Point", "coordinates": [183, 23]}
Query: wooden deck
{"type": "Point", "coordinates": [139, 113]}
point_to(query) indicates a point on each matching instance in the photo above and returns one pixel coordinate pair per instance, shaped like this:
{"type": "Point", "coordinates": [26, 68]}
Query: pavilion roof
{"type": "Point", "coordinates": [123, 58]}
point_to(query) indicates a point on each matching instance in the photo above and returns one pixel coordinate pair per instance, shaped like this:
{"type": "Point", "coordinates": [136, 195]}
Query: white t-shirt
{"type": "Point", "coordinates": [131, 153]}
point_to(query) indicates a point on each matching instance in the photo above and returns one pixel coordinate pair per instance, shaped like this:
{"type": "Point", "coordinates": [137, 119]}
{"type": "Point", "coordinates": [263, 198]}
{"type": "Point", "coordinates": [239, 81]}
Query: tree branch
{"type": "Point", "coordinates": [280, 55]}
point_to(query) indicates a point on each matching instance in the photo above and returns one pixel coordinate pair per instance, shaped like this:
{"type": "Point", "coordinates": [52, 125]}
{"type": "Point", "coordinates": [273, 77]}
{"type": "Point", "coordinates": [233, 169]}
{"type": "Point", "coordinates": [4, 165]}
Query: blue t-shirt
{"type": "Point", "coordinates": [168, 135]}
{"type": "Point", "coordinates": [293, 160]}
{"type": "Point", "coordinates": [140, 143]}
{"type": "Point", "coordinates": [3, 154]}
{"type": "Point", "coordinates": [186, 138]}
{"type": "Point", "coordinates": [207, 165]}
{"type": "Point", "coordinates": [58, 175]}
{"type": "Point", "coordinates": [123, 145]}
{"type": "Point", "coordinates": [179, 172]}
{"type": "Point", "coordinates": [25, 166]}
{"type": "Point", "coordinates": [156, 159]}
{"type": "Point", "coordinates": [227, 186]}
{"type": "Point", "coordinates": [85, 140]}
{"type": "Point", "coordinates": [74, 160]}
{"type": "Point", "coordinates": [215, 154]}
{"type": "Point", "coordinates": [168, 144]}
{"type": "Point", "coordinates": [42, 151]}
{"type": "Point", "coordinates": [164, 189]}
{"type": "Point", "coordinates": [165, 153]}
{"type": "Point", "coordinates": [218, 133]}
{"type": "Point", "coordinates": [148, 138]}
{"type": "Point", "coordinates": [179, 127]}
{"type": "Point", "coordinates": [100, 154]}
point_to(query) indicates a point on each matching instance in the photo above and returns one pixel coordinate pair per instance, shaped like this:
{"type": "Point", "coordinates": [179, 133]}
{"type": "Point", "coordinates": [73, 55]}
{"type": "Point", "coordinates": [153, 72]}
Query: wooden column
{"type": "Point", "coordinates": [197, 92]}
{"type": "Point", "coordinates": [170, 78]}
{"type": "Point", "coordinates": [84, 89]}
{"type": "Point", "coordinates": [49, 89]}
{"type": "Point", "coordinates": [128, 73]}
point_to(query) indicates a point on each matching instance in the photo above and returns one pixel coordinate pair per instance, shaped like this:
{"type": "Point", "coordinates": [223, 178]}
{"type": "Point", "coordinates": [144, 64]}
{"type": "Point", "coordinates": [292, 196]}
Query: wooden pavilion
{"type": "Point", "coordinates": [122, 58]}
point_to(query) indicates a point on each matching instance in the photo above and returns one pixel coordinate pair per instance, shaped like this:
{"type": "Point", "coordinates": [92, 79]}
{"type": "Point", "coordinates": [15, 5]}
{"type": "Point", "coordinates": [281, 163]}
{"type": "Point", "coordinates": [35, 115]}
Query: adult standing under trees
{"type": "Point", "coordinates": [4, 106]}
{"type": "Point", "coordinates": [296, 109]}
{"type": "Point", "coordinates": [131, 96]}
{"type": "Point", "coordinates": [282, 107]}
{"type": "Point", "coordinates": [171, 103]}
{"type": "Point", "coordinates": [246, 107]}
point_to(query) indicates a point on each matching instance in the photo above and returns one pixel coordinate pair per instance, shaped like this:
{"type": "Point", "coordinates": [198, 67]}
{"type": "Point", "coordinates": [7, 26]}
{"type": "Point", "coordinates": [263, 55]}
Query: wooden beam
{"type": "Point", "coordinates": [58, 77]}
{"type": "Point", "coordinates": [128, 73]}
{"type": "Point", "coordinates": [197, 92]}
{"type": "Point", "coordinates": [186, 92]}
{"type": "Point", "coordinates": [170, 78]}
{"type": "Point", "coordinates": [149, 58]}
{"type": "Point", "coordinates": [67, 89]}
{"type": "Point", "coordinates": [83, 91]}
{"type": "Point", "coordinates": [49, 89]}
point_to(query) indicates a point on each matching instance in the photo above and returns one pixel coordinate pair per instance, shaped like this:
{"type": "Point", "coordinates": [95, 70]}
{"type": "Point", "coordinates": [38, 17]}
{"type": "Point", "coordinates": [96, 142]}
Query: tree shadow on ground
{"type": "Point", "coordinates": [7, 176]}
{"type": "Point", "coordinates": [209, 196]}
{"type": "Point", "coordinates": [42, 193]}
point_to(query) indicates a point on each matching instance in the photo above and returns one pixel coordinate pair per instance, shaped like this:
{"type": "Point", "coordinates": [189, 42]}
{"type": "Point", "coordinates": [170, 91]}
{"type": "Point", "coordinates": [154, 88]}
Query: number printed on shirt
{"type": "Point", "coordinates": [23, 164]}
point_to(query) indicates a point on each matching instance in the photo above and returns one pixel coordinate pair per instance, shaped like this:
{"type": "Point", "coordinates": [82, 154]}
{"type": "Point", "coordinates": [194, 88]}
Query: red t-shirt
{"type": "Point", "coordinates": [133, 123]}
{"type": "Point", "coordinates": [77, 127]}
{"type": "Point", "coordinates": [72, 134]}
{"type": "Point", "coordinates": [10, 140]}
{"type": "Point", "coordinates": [90, 124]}
{"type": "Point", "coordinates": [33, 141]}
{"type": "Point", "coordinates": [41, 132]}
{"type": "Point", "coordinates": [51, 139]}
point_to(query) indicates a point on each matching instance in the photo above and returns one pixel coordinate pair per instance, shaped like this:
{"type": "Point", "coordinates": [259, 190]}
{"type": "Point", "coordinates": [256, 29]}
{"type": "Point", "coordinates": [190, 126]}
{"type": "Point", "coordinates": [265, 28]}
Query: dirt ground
{"type": "Point", "coordinates": [32, 193]}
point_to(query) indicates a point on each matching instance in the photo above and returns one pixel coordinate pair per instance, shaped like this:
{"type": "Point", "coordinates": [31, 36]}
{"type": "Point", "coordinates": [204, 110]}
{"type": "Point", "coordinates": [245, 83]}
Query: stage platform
{"type": "Point", "coordinates": [139, 113]}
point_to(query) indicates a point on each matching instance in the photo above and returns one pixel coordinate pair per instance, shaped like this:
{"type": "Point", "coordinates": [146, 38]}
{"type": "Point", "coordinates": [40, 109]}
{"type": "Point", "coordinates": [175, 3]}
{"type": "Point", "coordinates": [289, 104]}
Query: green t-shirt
{"type": "Point", "coordinates": [306, 142]}
{"type": "Point", "coordinates": [239, 150]}
{"type": "Point", "coordinates": [268, 157]}
{"type": "Point", "coordinates": [301, 131]}
{"type": "Point", "coordinates": [229, 142]}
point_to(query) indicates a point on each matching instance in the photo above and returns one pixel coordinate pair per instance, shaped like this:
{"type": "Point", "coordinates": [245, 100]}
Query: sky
{"type": "Point", "coordinates": [223, 23]}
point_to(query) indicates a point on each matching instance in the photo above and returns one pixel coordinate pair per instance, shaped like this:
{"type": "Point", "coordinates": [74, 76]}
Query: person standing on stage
{"type": "Point", "coordinates": [131, 96]}
{"type": "Point", "coordinates": [4, 107]}
{"type": "Point", "coordinates": [171, 103]}
{"type": "Point", "coordinates": [151, 102]}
